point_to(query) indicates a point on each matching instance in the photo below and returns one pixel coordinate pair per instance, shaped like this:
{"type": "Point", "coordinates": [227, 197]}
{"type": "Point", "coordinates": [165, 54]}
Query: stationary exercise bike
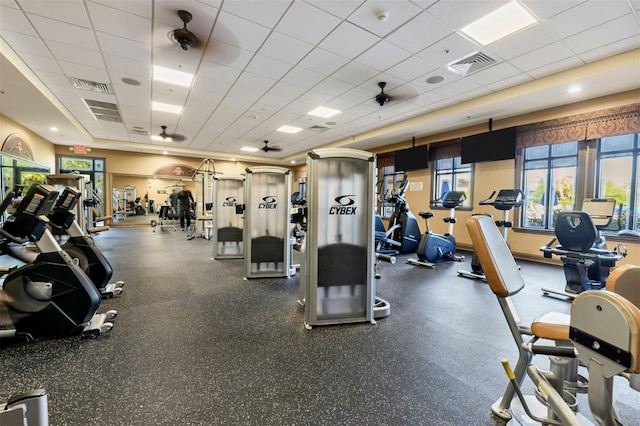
{"type": "Point", "coordinates": [434, 248]}
{"type": "Point", "coordinates": [506, 200]}
{"type": "Point", "coordinates": [81, 247]}
{"type": "Point", "coordinates": [403, 234]}
{"type": "Point", "coordinates": [52, 296]}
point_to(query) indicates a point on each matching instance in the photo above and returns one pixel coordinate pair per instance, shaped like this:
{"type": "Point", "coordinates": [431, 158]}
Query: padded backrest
{"type": "Point", "coordinates": [625, 280]}
{"type": "Point", "coordinates": [575, 231]}
{"type": "Point", "coordinates": [612, 321]}
{"type": "Point", "coordinates": [498, 264]}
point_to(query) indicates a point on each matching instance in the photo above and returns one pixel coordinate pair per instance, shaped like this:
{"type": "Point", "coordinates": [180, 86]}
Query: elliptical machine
{"type": "Point", "coordinates": [51, 297]}
{"type": "Point", "coordinates": [435, 248]}
{"type": "Point", "coordinates": [506, 200]}
{"type": "Point", "coordinates": [81, 247]}
{"type": "Point", "coordinates": [403, 235]}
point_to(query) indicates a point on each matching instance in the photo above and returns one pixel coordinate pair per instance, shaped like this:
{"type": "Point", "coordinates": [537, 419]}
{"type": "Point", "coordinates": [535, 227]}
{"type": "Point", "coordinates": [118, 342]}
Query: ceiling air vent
{"type": "Point", "coordinates": [317, 128]}
{"type": "Point", "coordinates": [471, 63]}
{"type": "Point", "coordinates": [94, 86]}
{"type": "Point", "coordinates": [105, 111]}
{"type": "Point", "coordinates": [141, 132]}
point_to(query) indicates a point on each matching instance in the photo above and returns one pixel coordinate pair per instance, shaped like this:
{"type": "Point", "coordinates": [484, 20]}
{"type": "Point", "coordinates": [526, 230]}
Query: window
{"type": "Point", "coordinates": [618, 161]}
{"type": "Point", "coordinates": [559, 176]}
{"type": "Point", "coordinates": [452, 175]}
{"type": "Point", "coordinates": [549, 180]}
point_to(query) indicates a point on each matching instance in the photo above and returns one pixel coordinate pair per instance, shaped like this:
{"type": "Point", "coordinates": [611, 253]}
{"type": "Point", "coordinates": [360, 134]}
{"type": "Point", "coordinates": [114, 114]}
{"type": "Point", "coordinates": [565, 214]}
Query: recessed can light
{"type": "Point", "coordinates": [435, 79]}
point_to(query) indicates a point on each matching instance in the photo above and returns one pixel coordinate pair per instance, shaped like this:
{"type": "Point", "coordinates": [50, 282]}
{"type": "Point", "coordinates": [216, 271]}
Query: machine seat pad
{"type": "Point", "coordinates": [97, 229]}
{"type": "Point", "coordinates": [552, 326]}
{"type": "Point", "coordinates": [425, 215]}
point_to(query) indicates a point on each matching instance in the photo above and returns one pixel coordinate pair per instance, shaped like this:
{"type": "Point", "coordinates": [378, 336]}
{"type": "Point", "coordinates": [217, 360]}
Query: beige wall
{"type": "Point", "coordinates": [126, 168]}
{"type": "Point", "coordinates": [42, 149]}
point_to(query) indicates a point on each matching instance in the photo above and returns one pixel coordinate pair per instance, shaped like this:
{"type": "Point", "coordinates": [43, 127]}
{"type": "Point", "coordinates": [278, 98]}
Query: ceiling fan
{"type": "Point", "coordinates": [267, 148]}
{"type": "Point", "coordinates": [382, 98]}
{"type": "Point", "coordinates": [171, 137]}
{"type": "Point", "coordinates": [183, 36]}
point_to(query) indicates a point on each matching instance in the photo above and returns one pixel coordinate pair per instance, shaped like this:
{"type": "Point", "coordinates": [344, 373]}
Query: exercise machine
{"type": "Point", "coordinates": [267, 222]}
{"type": "Point", "coordinates": [82, 247]}
{"type": "Point", "coordinates": [434, 248]}
{"type": "Point", "coordinates": [51, 296]}
{"type": "Point", "coordinates": [582, 248]}
{"type": "Point", "coordinates": [26, 409]}
{"type": "Point", "coordinates": [547, 335]}
{"type": "Point", "coordinates": [228, 198]}
{"type": "Point", "coordinates": [403, 234]}
{"type": "Point", "coordinates": [607, 351]}
{"type": "Point", "coordinates": [203, 177]}
{"type": "Point", "coordinates": [337, 273]}
{"type": "Point", "coordinates": [506, 200]}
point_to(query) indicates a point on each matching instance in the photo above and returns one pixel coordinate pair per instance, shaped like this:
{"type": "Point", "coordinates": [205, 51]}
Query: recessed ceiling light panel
{"type": "Point", "coordinates": [173, 109]}
{"type": "Point", "coordinates": [324, 112]}
{"type": "Point", "coordinates": [289, 129]}
{"type": "Point", "coordinates": [500, 23]}
{"type": "Point", "coordinates": [249, 149]}
{"type": "Point", "coordinates": [167, 75]}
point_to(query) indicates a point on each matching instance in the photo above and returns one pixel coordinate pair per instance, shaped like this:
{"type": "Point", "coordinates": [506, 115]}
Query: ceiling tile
{"type": "Point", "coordinates": [120, 23]}
{"type": "Point", "coordinates": [63, 32]}
{"type": "Point", "coordinates": [25, 44]}
{"type": "Point", "coordinates": [140, 8]}
{"type": "Point", "coordinates": [124, 48]}
{"type": "Point", "coordinates": [411, 68]}
{"type": "Point", "coordinates": [37, 62]}
{"type": "Point", "coordinates": [266, 13]}
{"type": "Point", "coordinates": [610, 32]}
{"type": "Point", "coordinates": [459, 13]}
{"type": "Point", "coordinates": [341, 9]}
{"type": "Point", "coordinates": [69, 11]}
{"type": "Point", "coordinates": [236, 31]}
{"type": "Point", "coordinates": [306, 23]}
{"type": "Point", "coordinates": [542, 56]}
{"type": "Point", "coordinates": [348, 40]}
{"type": "Point", "coordinates": [303, 77]}
{"type": "Point", "coordinates": [382, 56]}
{"type": "Point", "coordinates": [419, 33]}
{"type": "Point", "coordinates": [66, 52]}
{"type": "Point", "coordinates": [585, 16]}
{"type": "Point", "coordinates": [84, 72]}
{"type": "Point", "coordinates": [285, 48]}
{"type": "Point", "coordinates": [614, 48]}
{"type": "Point", "coordinates": [448, 50]}
{"type": "Point", "coordinates": [268, 67]}
{"type": "Point", "coordinates": [544, 9]}
{"type": "Point", "coordinates": [323, 61]}
{"type": "Point", "coordinates": [555, 67]}
{"type": "Point", "coordinates": [354, 73]}
{"type": "Point", "coordinates": [15, 21]}
{"type": "Point", "coordinates": [381, 17]}
{"type": "Point", "coordinates": [494, 74]}
{"type": "Point", "coordinates": [528, 39]}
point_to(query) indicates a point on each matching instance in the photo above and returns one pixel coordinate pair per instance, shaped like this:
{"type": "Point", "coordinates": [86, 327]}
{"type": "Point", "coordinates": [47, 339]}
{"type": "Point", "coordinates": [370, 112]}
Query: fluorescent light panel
{"type": "Point", "coordinates": [289, 129]}
{"type": "Point", "coordinates": [161, 139]}
{"type": "Point", "coordinates": [166, 75]}
{"type": "Point", "coordinates": [248, 149]}
{"type": "Point", "coordinates": [324, 112]}
{"type": "Point", "coordinates": [173, 109]}
{"type": "Point", "coordinates": [500, 23]}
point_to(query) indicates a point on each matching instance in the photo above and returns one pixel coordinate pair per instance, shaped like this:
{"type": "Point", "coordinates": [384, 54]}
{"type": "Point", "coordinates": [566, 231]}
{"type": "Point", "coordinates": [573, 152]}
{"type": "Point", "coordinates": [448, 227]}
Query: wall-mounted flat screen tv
{"type": "Point", "coordinates": [416, 158]}
{"type": "Point", "coordinates": [490, 146]}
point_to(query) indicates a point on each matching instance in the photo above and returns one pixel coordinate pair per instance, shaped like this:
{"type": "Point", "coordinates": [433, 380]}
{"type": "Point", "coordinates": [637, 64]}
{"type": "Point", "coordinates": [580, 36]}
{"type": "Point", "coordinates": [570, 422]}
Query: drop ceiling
{"type": "Point", "coordinates": [262, 64]}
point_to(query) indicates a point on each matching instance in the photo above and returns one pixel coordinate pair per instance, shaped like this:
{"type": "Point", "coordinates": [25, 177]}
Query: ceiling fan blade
{"type": "Point", "coordinates": [178, 138]}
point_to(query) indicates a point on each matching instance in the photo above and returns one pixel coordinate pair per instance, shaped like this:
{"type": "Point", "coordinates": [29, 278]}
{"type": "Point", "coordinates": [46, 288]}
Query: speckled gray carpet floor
{"type": "Point", "coordinates": [195, 344]}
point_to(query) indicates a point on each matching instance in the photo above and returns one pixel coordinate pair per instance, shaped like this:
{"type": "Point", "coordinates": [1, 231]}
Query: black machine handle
{"type": "Point", "coordinates": [487, 201]}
